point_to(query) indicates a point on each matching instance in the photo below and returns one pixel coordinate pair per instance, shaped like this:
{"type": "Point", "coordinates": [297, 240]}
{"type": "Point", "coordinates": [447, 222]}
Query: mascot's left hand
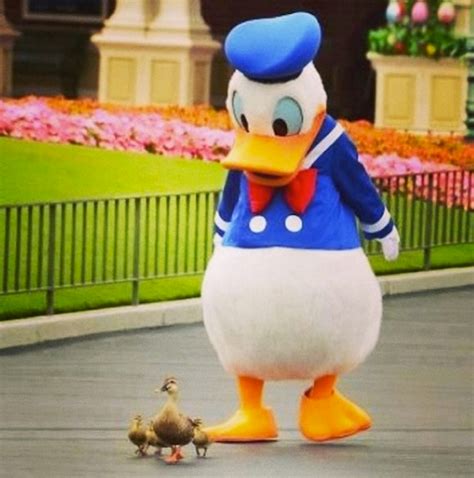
{"type": "Point", "coordinates": [390, 245]}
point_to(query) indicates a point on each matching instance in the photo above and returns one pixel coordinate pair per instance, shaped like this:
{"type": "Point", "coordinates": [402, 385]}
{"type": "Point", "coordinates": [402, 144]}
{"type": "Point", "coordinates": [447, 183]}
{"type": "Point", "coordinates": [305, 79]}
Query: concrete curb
{"type": "Point", "coordinates": [427, 280]}
{"type": "Point", "coordinates": [36, 330]}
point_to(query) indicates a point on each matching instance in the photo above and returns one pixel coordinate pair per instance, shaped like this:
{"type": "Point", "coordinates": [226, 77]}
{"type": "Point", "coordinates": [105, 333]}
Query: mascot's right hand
{"type": "Point", "coordinates": [390, 245]}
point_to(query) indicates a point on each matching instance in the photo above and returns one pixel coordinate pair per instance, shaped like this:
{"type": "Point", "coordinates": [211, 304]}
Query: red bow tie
{"type": "Point", "coordinates": [298, 193]}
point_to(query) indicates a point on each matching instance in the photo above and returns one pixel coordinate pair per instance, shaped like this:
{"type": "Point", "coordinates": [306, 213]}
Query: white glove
{"type": "Point", "coordinates": [390, 245]}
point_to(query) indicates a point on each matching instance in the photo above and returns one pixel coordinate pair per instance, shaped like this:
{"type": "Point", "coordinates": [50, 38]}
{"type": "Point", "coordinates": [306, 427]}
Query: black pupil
{"type": "Point", "coordinates": [280, 127]}
{"type": "Point", "coordinates": [244, 122]}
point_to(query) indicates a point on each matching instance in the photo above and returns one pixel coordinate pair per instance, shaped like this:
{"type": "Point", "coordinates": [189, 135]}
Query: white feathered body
{"type": "Point", "coordinates": [282, 313]}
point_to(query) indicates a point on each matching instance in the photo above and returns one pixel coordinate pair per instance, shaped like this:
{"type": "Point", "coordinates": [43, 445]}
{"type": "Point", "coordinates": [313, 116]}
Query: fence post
{"type": "Point", "coordinates": [136, 255]}
{"type": "Point", "coordinates": [51, 259]}
{"type": "Point", "coordinates": [428, 225]}
{"type": "Point", "coordinates": [6, 249]}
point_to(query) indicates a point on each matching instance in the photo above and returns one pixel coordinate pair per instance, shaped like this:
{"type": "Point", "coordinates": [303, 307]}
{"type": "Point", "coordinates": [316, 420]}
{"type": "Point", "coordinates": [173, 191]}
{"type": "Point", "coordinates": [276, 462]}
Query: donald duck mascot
{"type": "Point", "coordinates": [289, 292]}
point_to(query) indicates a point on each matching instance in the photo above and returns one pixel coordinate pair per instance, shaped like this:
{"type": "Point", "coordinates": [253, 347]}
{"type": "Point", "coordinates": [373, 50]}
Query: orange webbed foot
{"type": "Point", "coordinates": [252, 421]}
{"type": "Point", "coordinates": [331, 417]}
{"type": "Point", "coordinates": [246, 425]}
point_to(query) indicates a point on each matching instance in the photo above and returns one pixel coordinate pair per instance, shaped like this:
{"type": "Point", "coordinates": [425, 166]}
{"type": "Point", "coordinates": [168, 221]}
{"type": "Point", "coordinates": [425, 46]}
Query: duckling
{"type": "Point", "coordinates": [137, 435]}
{"type": "Point", "coordinates": [153, 440]}
{"type": "Point", "coordinates": [174, 428]}
{"type": "Point", "coordinates": [201, 440]}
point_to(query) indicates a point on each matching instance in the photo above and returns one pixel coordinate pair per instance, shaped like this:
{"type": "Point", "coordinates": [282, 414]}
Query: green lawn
{"type": "Point", "coordinates": [37, 172]}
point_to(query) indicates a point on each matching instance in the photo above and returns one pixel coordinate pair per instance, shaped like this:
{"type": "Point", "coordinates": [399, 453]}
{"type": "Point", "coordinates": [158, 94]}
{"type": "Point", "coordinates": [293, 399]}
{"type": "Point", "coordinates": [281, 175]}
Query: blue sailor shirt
{"type": "Point", "coordinates": [344, 192]}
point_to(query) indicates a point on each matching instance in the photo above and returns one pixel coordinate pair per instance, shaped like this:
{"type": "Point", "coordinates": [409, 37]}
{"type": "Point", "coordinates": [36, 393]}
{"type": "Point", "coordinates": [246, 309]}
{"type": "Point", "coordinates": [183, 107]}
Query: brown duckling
{"type": "Point", "coordinates": [137, 435]}
{"type": "Point", "coordinates": [153, 440]}
{"type": "Point", "coordinates": [174, 428]}
{"type": "Point", "coordinates": [201, 439]}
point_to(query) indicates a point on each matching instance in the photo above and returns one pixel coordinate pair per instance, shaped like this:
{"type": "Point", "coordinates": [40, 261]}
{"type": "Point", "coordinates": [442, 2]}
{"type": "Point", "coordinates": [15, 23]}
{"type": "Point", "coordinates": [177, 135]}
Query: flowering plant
{"type": "Point", "coordinates": [418, 28]}
{"type": "Point", "coordinates": [197, 131]}
{"type": "Point", "coordinates": [176, 131]}
{"type": "Point", "coordinates": [430, 148]}
{"type": "Point", "coordinates": [199, 115]}
{"type": "Point", "coordinates": [141, 131]}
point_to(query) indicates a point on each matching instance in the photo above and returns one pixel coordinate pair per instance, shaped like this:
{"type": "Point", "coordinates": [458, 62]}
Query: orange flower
{"type": "Point", "coordinates": [447, 149]}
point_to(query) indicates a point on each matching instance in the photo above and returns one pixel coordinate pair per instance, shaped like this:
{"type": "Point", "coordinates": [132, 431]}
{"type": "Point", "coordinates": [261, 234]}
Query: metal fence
{"type": "Point", "coordinates": [49, 246]}
{"type": "Point", "coordinates": [430, 209]}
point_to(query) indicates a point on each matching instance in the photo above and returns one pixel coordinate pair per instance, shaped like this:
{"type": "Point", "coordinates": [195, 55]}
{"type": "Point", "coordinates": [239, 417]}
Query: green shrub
{"type": "Point", "coordinates": [431, 38]}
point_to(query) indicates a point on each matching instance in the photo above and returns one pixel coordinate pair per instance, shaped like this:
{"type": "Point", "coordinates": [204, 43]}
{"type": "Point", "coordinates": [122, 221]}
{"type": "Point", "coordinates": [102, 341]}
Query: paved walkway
{"type": "Point", "coordinates": [64, 409]}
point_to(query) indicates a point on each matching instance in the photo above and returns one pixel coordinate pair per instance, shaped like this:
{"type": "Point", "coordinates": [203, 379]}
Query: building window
{"type": "Point", "coordinates": [65, 10]}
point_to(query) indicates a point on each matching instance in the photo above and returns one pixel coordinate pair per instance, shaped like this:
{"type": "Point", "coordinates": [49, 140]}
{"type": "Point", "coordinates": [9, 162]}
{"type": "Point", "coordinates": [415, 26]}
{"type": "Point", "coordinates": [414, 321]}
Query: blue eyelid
{"type": "Point", "coordinates": [289, 110]}
{"type": "Point", "coordinates": [237, 108]}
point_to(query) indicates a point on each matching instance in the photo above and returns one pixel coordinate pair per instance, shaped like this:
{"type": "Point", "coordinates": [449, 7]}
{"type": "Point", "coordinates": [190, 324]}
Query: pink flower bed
{"type": "Point", "coordinates": [141, 131]}
{"type": "Point", "coordinates": [392, 164]}
{"type": "Point", "coordinates": [450, 186]}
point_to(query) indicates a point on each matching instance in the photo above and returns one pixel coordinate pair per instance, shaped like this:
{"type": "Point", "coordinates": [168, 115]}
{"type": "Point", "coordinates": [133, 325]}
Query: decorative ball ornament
{"type": "Point", "coordinates": [394, 12]}
{"type": "Point", "coordinates": [399, 48]}
{"type": "Point", "coordinates": [403, 7]}
{"type": "Point", "coordinates": [391, 39]}
{"type": "Point", "coordinates": [419, 12]}
{"type": "Point", "coordinates": [446, 13]}
{"type": "Point", "coordinates": [430, 49]}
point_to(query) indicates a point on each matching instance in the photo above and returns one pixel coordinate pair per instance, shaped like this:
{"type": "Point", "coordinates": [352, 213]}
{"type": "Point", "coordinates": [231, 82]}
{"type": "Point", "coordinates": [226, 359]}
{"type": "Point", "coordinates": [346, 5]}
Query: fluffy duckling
{"type": "Point", "coordinates": [153, 440]}
{"type": "Point", "coordinates": [137, 435]}
{"type": "Point", "coordinates": [174, 428]}
{"type": "Point", "coordinates": [201, 440]}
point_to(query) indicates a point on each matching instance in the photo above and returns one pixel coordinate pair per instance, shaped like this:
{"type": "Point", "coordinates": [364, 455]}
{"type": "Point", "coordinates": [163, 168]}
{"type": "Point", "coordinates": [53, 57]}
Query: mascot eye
{"type": "Point", "coordinates": [238, 111]}
{"type": "Point", "coordinates": [287, 117]}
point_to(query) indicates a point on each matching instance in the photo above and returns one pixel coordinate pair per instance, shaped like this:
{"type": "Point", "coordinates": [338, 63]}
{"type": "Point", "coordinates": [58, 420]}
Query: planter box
{"type": "Point", "coordinates": [420, 94]}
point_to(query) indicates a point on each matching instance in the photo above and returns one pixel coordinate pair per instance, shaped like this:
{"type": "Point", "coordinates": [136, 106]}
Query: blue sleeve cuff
{"type": "Point", "coordinates": [380, 234]}
{"type": "Point", "coordinates": [220, 225]}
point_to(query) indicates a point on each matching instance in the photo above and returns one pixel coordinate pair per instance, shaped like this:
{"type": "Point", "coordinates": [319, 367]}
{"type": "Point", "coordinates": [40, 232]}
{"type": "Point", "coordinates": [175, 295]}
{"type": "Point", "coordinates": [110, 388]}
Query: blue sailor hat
{"type": "Point", "coordinates": [273, 49]}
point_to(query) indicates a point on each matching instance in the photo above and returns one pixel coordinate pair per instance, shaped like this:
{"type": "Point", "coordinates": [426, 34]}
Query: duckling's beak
{"type": "Point", "coordinates": [271, 160]}
{"type": "Point", "coordinates": [164, 388]}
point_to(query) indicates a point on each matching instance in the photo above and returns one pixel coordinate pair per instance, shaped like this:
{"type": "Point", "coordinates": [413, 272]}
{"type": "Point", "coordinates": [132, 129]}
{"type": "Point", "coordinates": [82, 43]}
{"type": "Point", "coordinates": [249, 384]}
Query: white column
{"type": "Point", "coordinates": [464, 12]}
{"type": "Point", "coordinates": [179, 20]}
{"type": "Point", "coordinates": [155, 52]}
{"type": "Point", "coordinates": [182, 56]}
{"type": "Point", "coordinates": [7, 38]}
{"type": "Point", "coordinates": [119, 44]}
{"type": "Point", "coordinates": [129, 18]}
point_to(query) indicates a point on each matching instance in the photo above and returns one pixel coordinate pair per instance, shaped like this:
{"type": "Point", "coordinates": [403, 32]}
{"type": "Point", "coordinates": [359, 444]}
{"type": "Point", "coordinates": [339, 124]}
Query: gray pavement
{"type": "Point", "coordinates": [64, 408]}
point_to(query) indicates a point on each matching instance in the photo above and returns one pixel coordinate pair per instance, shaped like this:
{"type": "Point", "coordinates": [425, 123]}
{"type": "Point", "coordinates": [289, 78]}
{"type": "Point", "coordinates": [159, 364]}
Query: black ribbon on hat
{"type": "Point", "coordinates": [281, 79]}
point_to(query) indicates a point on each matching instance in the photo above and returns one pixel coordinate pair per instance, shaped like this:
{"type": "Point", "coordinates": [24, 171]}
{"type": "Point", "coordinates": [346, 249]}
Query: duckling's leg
{"type": "Point", "coordinates": [140, 451]}
{"type": "Point", "coordinates": [252, 421]}
{"type": "Point", "coordinates": [179, 453]}
{"type": "Point", "coordinates": [325, 414]}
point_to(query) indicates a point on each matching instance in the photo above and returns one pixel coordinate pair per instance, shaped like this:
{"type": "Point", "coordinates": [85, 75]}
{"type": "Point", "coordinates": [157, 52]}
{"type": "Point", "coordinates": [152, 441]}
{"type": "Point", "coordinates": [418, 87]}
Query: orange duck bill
{"type": "Point", "coordinates": [271, 160]}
